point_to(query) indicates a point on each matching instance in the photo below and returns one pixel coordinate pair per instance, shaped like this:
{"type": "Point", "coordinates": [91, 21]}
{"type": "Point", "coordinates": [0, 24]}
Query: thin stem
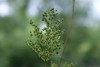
{"type": "Point", "coordinates": [45, 64]}
{"type": "Point", "coordinates": [68, 35]}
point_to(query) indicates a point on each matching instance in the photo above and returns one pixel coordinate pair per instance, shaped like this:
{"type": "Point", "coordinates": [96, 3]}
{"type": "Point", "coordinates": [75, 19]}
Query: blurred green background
{"type": "Point", "coordinates": [83, 48]}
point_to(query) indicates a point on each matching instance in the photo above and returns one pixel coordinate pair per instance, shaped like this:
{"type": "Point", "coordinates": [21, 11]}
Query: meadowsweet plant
{"type": "Point", "coordinates": [48, 41]}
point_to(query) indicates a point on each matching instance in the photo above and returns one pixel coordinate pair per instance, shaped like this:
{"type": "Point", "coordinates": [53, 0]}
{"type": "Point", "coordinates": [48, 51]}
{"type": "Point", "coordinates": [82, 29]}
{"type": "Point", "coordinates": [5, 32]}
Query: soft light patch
{"type": "Point", "coordinates": [4, 9]}
{"type": "Point", "coordinates": [96, 8]}
{"type": "Point", "coordinates": [84, 47]}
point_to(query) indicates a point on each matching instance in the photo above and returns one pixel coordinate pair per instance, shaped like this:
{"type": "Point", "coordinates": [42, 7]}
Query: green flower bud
{"type": "Point", "coordinates": [43, 19]}
{"type": "Point", "coordinates": [51, 9]}
{"type": "Point", "coordinates": [31, 22]}
{"type": "Point", "coordinates": [31, 34]}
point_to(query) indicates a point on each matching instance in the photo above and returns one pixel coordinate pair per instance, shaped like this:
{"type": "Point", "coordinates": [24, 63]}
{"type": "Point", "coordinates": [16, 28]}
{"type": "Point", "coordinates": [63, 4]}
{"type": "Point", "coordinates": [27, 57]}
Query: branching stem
{"type": "Point", "coordinates": [68, 35]}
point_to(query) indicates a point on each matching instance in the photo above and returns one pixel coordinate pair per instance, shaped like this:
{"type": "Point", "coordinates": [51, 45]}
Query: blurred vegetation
{"type": "Point", "coordinates": [83, 48]}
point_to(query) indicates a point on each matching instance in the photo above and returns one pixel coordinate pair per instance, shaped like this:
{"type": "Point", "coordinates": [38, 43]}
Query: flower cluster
{"type": "Point", "coordinates": [65, 64]}
{"type": "Point", "coordinates": [69, 65]}
{"type": "Point", "coordinates": [48, 41]}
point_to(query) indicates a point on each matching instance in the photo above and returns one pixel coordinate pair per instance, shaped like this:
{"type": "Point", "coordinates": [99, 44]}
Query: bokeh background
{"type": "Point", "coordinates": [83, 48]}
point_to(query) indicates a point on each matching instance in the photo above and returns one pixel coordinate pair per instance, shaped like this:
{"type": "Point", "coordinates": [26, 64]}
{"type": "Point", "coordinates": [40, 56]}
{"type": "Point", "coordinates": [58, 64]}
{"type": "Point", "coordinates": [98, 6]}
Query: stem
{"type": "Point", "coordinates": [45, 64]}
{"type": "Point", "coordinates": [68, 35]}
